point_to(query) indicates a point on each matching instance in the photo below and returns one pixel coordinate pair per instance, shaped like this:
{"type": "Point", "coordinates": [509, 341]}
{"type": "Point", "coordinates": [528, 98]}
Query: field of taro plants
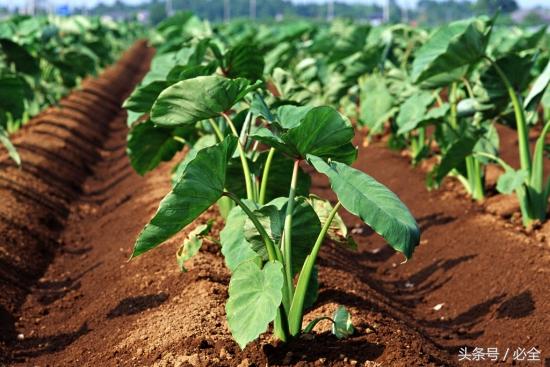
{"type": "Point", "coordinates": [325, 194]}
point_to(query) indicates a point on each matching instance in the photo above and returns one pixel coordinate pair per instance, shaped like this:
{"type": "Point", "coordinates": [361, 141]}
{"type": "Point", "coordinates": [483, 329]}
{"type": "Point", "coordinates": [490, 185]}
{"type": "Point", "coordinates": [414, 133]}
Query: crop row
{"type": "Point", "coordinates": [43, 58]}
{"type": "Point", "coordinates": [256, 103]}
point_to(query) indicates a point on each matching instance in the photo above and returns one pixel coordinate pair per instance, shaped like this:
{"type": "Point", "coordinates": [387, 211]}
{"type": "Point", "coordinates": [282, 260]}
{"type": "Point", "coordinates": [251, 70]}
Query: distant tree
{"type": "Point", "coordinates": [492, 6]}
{"type": "Point", "coordinates": [157, 12]}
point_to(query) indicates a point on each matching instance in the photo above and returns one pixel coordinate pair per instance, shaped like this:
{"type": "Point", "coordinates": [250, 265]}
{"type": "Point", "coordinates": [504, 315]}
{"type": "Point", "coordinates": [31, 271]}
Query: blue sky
{"type": "Point", "coordinates": [12, 3]}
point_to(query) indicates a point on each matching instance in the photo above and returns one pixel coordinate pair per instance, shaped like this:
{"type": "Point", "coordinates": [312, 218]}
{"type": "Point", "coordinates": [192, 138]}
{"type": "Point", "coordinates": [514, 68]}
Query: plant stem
{"type": "Point", "coordinates": [265, 175]}
{"type": "Point", "coordinates": [287, 234]}
{"type": "Point", "coordinates": [274, 254]}
{"type": "Point", "coordinates": [216, 129]}
{"type": "Point", "coordinates": [418, 144]}
{"type": "Point", "coordinates": [296, 313]}
{"type": "Point", "coordinates": [452, 100]}
{"type": "Point", "coordinates": [244, 161]}
{"type": "Point", "coordinates": [521, 124]}
{"type": "Point", "coordinates": [309, 328]}
{"type": "Point", "coordinates": [271, 253]}
{"type": "Point", "coordinates": [475, 180]}
{"type": "Point", "coordinates": [179, 139]}
{"type": "Point", "coordinates": [469, 88]}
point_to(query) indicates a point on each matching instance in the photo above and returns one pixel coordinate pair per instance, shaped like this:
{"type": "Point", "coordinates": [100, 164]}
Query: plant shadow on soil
{"type": "Point", "coordinates": [47, 292]}
{"type": "Point", "coordinates": [404, 296]}
{"type": "Point", "coordinates": [137, 304]}
{"type": "Point", "coordinates": [37, 346]}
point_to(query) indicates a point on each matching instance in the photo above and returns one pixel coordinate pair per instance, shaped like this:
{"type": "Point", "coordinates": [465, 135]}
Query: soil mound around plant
{"type": "Point", "coordinates": [58, 149]}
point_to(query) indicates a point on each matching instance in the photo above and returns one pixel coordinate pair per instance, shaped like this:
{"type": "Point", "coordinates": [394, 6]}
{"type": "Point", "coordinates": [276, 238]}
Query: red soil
{"type": "Point", "coordinates": [70, 298]}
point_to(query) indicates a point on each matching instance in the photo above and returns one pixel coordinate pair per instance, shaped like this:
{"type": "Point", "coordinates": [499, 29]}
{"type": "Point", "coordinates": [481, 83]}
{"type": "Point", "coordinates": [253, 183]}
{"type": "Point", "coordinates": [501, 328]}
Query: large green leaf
{"type": "Point", "coordinates": [516, 68]}
{"type": "Point", "coordinates": [12, 95]}
{"type": "Point", "coordinates": [148, 145]}
{"type": "Point", "coordinates": [373, 202]}
{"type": "Point", "coordinates": [203, 142]}
{"type": "Point", "coordinates": [511, 180]}
{"type": "Point", "coordinates": [17, 55]}
{"type": "Point", "coordinates": [235, 248]}
{"type": "Point", "coordinates": [377, 104]}
{"type": "Point", "coordinates": [5, 140]}
{"type": "Point", "coordinates": [454, 156]}
{"type": "Point", "coordinates": [254, 297]}
{"type": "Point", "coordinates": [244, 60]}
{"type": "Point", "coordinates": [197, 99]}
{"type": "Point", "coordinates": [200, 186]}
{"type": "Point", "coordinates": [290, 116]}
{"type": "Point", "coordinates": [143, 97]}
{"type": "Point", "coordinates": [322, 131]}
{"type": "Point", "coordinates": [451, 51]}
{"type": "Point", "coordinates": [540, 85]}
{"type": "Point", "coordinates": [414, 111]}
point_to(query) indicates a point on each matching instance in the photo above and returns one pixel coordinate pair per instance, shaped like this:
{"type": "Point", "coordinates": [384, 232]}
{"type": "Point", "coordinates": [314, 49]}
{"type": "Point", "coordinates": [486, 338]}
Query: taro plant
{"type": "Point", "coordinates": [527, 182]}
{"type": "Point", "coordinates": [271, 247]}
{"type": "Point", "coordinates": [42, 58]}
{"type": "Point", "coordinates": [447, 60]}
{"type": "Point", "coordinates": [452, 57]}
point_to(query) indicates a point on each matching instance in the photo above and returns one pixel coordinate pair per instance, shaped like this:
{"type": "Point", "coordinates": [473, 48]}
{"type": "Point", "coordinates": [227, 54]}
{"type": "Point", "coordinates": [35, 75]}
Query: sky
{"type": "Point", "coordinates": [14, 3]}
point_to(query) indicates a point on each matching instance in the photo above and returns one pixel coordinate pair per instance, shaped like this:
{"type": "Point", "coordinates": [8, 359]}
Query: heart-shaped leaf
{"type": "Point", "coordinates": [254, 297]}
{"type": "Point", "coordinates": [511, 180]}
{"type": "Point", "coordinates": [143, 97]}
{"type": "Point", "coordinates": [414, 111]}
{"type": "Point", "coordinates": [377, 104]}
{"type": "Point", "coordinates": [197, 99]}
{"type": "Point", "coordinates": [342, 326]}
{"type": "Point", "coordinates": [200, 186]}
{"type": "Point", "coordinates": [322, 131]}
{"type": "Point", "coordinates": [17, 55]}
{"type": "Point", "coordinates": [540, 85]}
{"type": "Point", "coordinates": [235, 248]}
{"type": "Point", "coordinates": [148, 145]}
{"type": "Point", "coordinates": [203, 142]}
{"type": "Point", "coordinates": [454, 156]}
{"type": "Point", "coordinates": [244, 60]}
{"type": "Point", "coordinates": [450, 51]}
{"type": "Point", "coordinates": [373, 202]}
